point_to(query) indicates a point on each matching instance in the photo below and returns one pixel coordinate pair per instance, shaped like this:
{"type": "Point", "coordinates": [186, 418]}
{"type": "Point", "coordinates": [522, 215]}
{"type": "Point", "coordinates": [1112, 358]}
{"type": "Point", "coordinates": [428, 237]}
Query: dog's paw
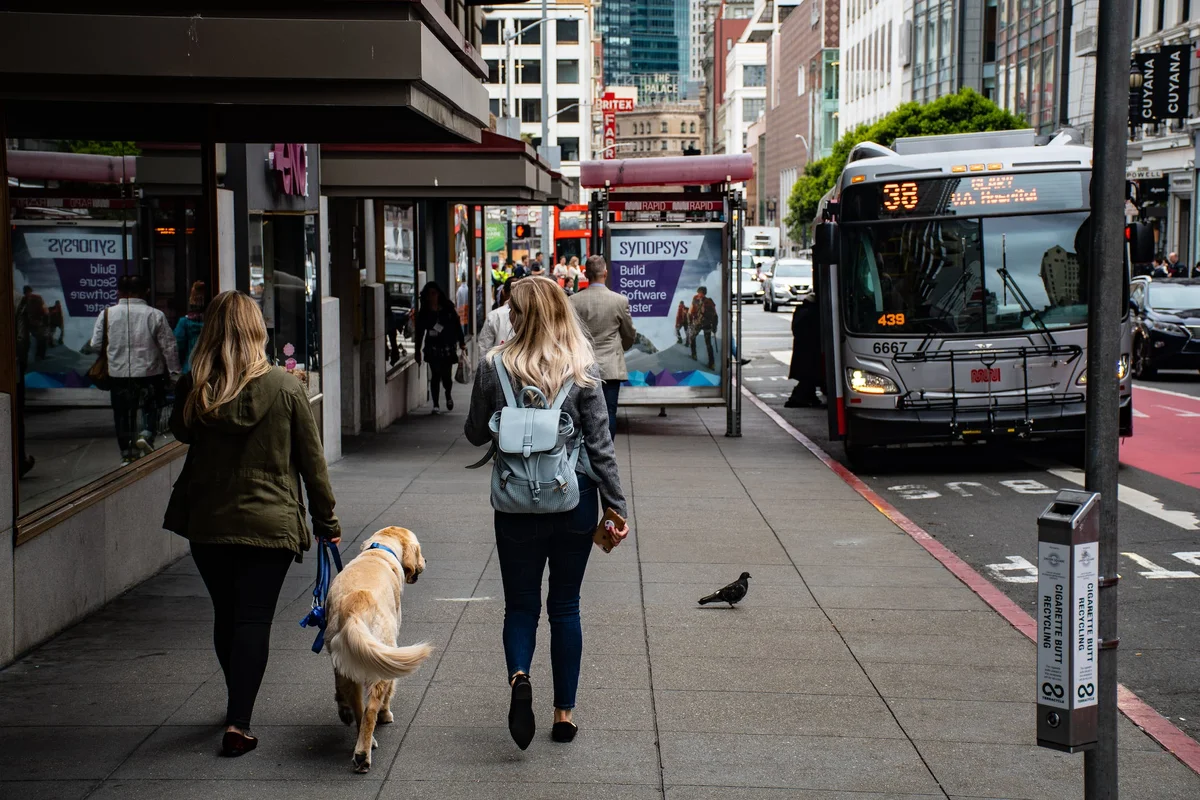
{"type": "Point", "coordinates": [386, 717]}
{"type": "Point", "coordinates": [362, 762]}
{"type": "Point", "coordinates": [346, 714]}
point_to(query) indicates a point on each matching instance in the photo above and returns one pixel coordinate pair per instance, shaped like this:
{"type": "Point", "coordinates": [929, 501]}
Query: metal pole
{"type": "Point", "coordinates": [547, 226]}
{"type": "Point", "coordinates": [1106, 271]}
{"type": "Point", "coordinates": [508, 67]}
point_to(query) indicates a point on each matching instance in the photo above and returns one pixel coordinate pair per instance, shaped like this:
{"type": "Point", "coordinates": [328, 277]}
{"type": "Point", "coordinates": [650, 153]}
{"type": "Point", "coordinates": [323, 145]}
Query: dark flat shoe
{"type": "Point", "coordinates": [564, 731]}
{"type": "Point", "coordinates": [520, 713]}
{"type": "Point", "coordinates": [236, 744]}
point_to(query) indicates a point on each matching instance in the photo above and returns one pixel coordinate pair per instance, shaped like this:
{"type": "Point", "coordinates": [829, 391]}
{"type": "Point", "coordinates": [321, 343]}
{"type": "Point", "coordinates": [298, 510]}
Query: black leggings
{"type": "Point", "coordinates": [441, 373]}
{"type": "Point", "coordinates": [244, 583]}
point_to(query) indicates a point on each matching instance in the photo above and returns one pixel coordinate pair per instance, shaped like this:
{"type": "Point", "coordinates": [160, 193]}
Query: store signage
{"type": "Point", "coordinates": [1153, 190]}
{"type": "Point", "coordinates": [1140, 173]}
{"type": "Point", "coordinates": [1166, 79]}
{"type": "Point", "coordinates": [610, 104]}
{"type": "Point", "coordinates": [289, 164]}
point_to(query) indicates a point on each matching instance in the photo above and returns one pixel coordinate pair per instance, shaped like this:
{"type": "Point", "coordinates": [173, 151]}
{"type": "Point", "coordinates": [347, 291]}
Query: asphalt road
{"type": "Point", "coordinates": [982, 502]}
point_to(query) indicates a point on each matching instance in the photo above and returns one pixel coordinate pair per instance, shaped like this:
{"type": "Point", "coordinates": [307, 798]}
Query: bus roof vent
{"type": "Point", "coordinates": [868, 150]}
{"type": "Point", "coordinates": [988, 140]}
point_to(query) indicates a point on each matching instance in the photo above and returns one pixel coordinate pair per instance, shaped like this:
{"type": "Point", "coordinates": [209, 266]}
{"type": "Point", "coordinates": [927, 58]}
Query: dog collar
{"type": "Point", "coordinates": [378, 546]}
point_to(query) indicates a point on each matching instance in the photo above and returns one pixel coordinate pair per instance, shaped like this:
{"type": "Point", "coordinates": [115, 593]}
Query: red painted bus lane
{"type": "Point", "coordinates": [1166, 435]}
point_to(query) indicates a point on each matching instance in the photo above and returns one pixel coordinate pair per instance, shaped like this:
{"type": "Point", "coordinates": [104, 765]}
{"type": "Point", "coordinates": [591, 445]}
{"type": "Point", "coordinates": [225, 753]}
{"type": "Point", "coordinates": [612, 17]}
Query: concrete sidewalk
{"type": "Point", "coordinates": [857, 667]}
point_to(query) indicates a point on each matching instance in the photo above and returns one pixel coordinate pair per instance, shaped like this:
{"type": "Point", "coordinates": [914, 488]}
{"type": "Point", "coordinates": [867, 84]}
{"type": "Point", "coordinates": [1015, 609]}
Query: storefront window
{"type": "Point", "coordinates": [399, 282]}
{"type": "Point", "coordinates": [101, 231]}
{"type": "Point", "coordinates": [284, 281]}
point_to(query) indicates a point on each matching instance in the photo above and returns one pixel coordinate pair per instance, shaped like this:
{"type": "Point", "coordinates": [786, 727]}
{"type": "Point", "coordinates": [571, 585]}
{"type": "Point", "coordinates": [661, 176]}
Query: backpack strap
{"type": "Point", "coordinates": [505, 381]}
{"type": "Point", "coordinates": [562, 394]}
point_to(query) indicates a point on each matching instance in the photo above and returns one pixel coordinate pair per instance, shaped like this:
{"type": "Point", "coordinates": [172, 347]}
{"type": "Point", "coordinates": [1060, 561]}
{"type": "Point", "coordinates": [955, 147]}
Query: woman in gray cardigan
{"type": "Point", "coordinates": [547, 348]}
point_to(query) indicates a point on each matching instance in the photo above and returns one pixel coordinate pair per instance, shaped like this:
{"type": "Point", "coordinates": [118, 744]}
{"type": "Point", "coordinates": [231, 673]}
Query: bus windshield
{"type": "Point", "coordinates": [965, 275]}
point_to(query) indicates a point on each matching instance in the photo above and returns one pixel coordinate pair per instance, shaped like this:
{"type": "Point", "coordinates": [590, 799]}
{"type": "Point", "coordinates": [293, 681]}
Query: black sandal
{"type": "Point", "coordinates": [564, 731]}
{"type": "Point", "coordinates": [236, 743]}
{"type": "Point", "coordinates": [521, 723]}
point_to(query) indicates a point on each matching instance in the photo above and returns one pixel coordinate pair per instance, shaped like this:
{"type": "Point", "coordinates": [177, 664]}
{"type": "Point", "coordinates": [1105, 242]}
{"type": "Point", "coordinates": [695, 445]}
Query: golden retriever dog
{"type": "Point", "coordinates": [364, 621]}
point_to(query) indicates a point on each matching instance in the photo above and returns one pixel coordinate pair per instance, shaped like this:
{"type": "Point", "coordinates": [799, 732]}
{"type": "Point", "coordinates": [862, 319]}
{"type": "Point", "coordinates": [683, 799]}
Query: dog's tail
{"type": "Point", "coordinates": [358, 655]}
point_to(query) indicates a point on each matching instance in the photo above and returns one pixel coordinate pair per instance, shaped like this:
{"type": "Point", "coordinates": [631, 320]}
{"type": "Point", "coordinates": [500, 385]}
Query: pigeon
{"type": "Point", "coordinates": [731, 594]}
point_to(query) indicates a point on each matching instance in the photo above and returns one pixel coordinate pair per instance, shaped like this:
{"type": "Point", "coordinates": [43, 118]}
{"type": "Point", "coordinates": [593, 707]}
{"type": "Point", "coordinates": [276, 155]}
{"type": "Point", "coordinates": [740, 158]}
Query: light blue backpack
{"type": "Point", "coordinates": [536, 451]}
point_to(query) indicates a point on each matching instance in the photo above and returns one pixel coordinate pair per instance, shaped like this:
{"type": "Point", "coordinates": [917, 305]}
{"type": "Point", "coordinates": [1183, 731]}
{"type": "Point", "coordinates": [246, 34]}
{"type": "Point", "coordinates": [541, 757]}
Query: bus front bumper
{"type": "Point", "coordinates": [890, 426]}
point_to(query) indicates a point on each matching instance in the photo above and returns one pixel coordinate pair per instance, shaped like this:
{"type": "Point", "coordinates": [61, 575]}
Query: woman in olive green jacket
{"type": "Point", "coordinates": [238, 499]}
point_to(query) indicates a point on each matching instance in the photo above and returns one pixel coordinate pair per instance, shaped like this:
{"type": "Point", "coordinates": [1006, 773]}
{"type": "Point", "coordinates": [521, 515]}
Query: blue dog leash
{"type": "Point", "coordinates": [327, 555]}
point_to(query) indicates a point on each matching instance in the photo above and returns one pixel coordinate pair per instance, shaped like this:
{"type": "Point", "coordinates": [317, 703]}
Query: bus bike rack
{"type": "Point", "coordinates": [986, 357]}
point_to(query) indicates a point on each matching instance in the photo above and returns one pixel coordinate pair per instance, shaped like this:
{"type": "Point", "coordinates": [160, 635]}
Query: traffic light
{"type": "Point", "coordinates": [520, 231]}
{"type": "Point", "coordinates": [1140, 238]}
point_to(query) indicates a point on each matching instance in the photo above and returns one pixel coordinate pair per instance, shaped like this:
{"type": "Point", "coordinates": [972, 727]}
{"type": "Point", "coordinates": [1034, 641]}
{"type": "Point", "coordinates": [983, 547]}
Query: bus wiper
{"type": "Point", "coordinates": [1011, 283]}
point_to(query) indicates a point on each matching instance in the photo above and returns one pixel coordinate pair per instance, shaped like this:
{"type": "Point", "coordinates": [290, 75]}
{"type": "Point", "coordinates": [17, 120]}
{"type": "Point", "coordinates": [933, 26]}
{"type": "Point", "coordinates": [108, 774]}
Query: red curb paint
{"type": "Point", "coordinates": [1158, 727]}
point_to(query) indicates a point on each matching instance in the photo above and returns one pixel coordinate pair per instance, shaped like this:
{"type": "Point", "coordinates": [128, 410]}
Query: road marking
{"type": "Point", "coordinates": [1191, 558]}
{"type": "Point", "coordinates": [1139, 500]}
{"type": "Point", "coordinates": [1155, 571]}
{"type": "Point", "coordinates": [1026, 486]}
{"type": "Point", "coordinates": [782, 356]}
{"type": "Point", "coordinates": [752, 378]}
{"type": "Point", "coordinates": [1168, 391]}
{"type": "Point", "coordinates": [1141, 414]}
{"type": "Point", "coordinates": [1016, 564]}
{"type": "Point", "coordinates": [957, 487]}
{"type": "Point", "coordinates": [1180, 412]}
{"type": "Point", "coordinates": [914, 491]}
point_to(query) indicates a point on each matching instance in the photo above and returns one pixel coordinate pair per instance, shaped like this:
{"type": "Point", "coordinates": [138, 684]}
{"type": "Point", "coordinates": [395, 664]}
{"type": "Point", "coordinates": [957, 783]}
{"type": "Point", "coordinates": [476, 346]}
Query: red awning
{"type": "Point", "coordinates": [678, 171]}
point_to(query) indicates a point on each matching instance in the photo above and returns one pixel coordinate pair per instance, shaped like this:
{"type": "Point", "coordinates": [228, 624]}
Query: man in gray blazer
{"type": "Point", "coordinates": [605, 317]}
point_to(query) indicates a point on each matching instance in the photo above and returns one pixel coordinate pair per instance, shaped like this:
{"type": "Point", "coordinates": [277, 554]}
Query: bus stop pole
{"type": "Point", "coordinates": [1105, 269]}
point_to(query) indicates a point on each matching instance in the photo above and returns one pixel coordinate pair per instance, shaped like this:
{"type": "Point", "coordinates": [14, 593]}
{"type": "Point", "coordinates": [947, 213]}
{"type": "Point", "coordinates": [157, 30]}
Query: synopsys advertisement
{"type": "Point", "coordinates": [672, 277]}
{"type": "Point", "coordinates": [71, 275]}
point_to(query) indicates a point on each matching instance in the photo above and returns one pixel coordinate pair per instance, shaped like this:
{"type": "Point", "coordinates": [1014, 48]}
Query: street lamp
{"type": "Point", "coordinates": [1137, 79]}
{"type": "Point", "coordinates": [604, 150]}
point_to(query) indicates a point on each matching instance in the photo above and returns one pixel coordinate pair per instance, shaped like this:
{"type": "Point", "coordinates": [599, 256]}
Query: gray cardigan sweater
{"type": "Point", "coordinates": [587, 410]}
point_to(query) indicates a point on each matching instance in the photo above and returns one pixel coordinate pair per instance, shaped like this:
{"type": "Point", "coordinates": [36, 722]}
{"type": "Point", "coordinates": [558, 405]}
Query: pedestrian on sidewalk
{"type": "Point", "coordinates": [607, 322]}
{"type": "Point", "coordinates": [805, 368]}
{"type": "Point", "coordinates": [142, 356]}
{"type": "Point", "coordinates": [252, 439]}
{"type": "Point", "coordinates": [548, 348]}
{"type": "Point", "coordinates": [187, 329]}
{"type": "Point", "coordinates": [497, 328]}
{"type": "Point", "coordinates": [439, 338]}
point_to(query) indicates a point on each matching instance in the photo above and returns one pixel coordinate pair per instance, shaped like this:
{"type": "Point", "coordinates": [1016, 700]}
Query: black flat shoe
{"type": "Point", "coordinates": [236, 744]}
{"type": "Point", "coordinates": [449, 403]}
{"type": "Point", "coordinates": [520, 713]}
{"type": "Point", "coordinates": [564, 731]}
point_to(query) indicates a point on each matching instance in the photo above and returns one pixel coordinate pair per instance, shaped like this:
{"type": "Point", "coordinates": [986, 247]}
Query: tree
{"type": "Point", "coordinates": [965, 112]}
{"type": "Point", "coordinates": [99, 148]}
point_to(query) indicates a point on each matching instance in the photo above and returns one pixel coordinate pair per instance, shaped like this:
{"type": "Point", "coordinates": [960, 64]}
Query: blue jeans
{"type": "Point", "coordinates": [524, 543]}
{"type": "Point", "coordinates": [612, 391]}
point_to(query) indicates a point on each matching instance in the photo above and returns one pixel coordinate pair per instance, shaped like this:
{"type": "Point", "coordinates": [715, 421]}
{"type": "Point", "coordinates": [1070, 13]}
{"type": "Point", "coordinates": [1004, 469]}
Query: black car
{"type": "Point", "coordinates": [1166, 319]}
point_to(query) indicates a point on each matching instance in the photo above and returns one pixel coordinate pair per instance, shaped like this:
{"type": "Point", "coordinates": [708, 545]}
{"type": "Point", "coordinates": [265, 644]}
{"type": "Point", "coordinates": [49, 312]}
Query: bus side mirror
{"type": "Point", "coordinates": [1140, 238]}
{"type": "Point", "coordinates": [1133, 306]}
{"type": "Point", "coordinates": [824, 247]}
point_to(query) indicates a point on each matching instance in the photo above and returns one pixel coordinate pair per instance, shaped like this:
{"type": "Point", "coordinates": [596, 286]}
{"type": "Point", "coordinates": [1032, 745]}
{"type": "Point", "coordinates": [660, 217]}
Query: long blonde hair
{"type": "Point", "coordinates": [230, 353]}
{"type": "Point", "coordinates": [548, 345]}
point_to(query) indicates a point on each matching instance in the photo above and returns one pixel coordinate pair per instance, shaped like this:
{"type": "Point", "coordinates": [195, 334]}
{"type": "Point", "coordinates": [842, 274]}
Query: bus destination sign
{"type": "Point", "coordinates": [970, 195]}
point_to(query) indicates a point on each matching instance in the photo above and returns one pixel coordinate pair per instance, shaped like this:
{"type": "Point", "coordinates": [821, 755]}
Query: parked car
{"type": "Point", "coordinates": [789, 280]}
{"type": "Point", "coordinates": [1166, 324]}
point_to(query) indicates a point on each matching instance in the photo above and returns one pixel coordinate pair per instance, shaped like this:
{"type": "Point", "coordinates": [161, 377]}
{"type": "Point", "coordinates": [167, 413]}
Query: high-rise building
{"type": "Point", "coordinates": [647, 45]}
{"type": "Point", "coordinates": [946, 45]}
{"type": "Point", "coordinates": [872, 80]}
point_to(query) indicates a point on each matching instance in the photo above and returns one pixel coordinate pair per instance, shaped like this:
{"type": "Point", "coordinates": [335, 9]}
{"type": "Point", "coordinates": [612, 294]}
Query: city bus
{"type": "Point", "coordinates": [572, 232]}
{"type": "Point", "coordinates": [952, 280]}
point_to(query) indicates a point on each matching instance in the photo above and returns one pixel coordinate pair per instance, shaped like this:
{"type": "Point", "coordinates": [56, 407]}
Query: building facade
{"type": "Point", "coordinates": [670, 130]}
{"type": "Point", "coordinates": [872, 82]}
{"type": "Point", "coordinates": [729, 23]}
{"type": "Point", "coordinates": [516, 69]}
{"type": "Point", "coordinates": [801, 115]}
{"type": "Point", "coordinates": [646, 44]}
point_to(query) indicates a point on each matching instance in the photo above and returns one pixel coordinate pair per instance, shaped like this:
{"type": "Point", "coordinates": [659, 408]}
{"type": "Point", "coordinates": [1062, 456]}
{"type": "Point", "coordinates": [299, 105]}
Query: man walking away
{"type": "Point", "coordinates": [606, 319]}
{"type": "Point", "coordinates": [141, 353]}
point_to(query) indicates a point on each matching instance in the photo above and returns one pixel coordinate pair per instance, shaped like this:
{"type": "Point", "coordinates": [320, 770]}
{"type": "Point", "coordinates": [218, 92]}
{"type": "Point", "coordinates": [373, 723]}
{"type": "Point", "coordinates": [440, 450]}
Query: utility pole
{"type": "Point", "coordinates": [1106, 269]}
{"type": "Point", "coordinates": [547, 232]}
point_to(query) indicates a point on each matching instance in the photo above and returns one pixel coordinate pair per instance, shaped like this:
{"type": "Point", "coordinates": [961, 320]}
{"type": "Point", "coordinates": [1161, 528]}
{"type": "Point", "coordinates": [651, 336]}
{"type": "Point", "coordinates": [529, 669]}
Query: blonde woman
{"type": "Point", "coordinates": [547, 348]}
{"type": "Point", "coordinates": [252, 439]}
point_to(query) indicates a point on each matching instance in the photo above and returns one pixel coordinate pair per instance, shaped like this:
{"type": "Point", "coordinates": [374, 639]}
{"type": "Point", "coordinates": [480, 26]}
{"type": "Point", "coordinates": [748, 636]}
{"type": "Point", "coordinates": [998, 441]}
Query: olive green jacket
{"type": "Point", "coordinates": [241, 480]}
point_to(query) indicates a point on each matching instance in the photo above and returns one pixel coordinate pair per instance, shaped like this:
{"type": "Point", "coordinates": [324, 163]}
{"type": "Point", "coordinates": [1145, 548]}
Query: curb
{"type": "Point", "coordinates": [1155, 725]}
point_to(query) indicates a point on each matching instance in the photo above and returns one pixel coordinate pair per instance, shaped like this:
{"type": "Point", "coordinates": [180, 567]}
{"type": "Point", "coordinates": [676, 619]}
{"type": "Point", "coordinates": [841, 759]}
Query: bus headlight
{"type": "Point", "coordinates": [1122, 371]}
{"type": "Point", "coordinates": [865, 382]}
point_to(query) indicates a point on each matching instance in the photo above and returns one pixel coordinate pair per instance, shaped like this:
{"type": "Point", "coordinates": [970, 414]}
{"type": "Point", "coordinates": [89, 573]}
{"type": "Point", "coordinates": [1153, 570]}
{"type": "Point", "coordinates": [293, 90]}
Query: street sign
{"type": "Point", "coordinates": [1068, 613]}
{"type": "Point", "coordinates": [1141, 173]}
{"type": "Point", "coordinates": [610, 104]}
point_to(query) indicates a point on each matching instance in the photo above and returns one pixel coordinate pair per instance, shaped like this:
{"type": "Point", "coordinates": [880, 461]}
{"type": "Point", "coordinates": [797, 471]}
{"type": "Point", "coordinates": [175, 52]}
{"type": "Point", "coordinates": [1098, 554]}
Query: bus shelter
{"type": "Point", "coordinates": [671, 230]}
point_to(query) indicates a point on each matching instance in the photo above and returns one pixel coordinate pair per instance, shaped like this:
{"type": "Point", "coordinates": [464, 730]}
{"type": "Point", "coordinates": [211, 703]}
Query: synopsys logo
{"type": "Point", "coordinates": [659, 248]}
{"type": "Point", "coordinates": [82, 246]}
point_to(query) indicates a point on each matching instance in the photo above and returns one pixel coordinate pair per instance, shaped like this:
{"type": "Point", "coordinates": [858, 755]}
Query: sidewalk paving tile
{"type": "Point", "coordinates": [49, 789]}
{"type": "Point", "coordinates": [764, 712]}
{"type": "Point", "coordinates": [398, 789]}
{"type": "Point", "coordinates": [66, 752]}
{"type": "Point", "coordinates": [364, 788]}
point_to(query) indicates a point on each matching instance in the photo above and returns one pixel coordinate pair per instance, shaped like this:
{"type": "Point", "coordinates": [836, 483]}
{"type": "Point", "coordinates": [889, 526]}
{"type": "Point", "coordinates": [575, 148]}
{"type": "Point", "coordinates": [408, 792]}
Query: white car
{"type": "Point", "coordinates": [752, 288]}
{"type": "Point", "coordinates": [789, 280]}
